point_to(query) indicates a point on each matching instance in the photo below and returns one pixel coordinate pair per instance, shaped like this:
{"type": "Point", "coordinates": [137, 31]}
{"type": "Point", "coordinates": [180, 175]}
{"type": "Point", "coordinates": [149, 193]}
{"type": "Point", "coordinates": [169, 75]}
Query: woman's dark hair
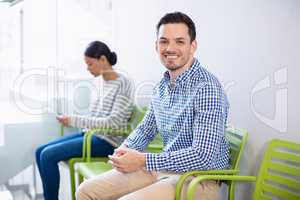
{"type": "Point", "coordinates": [178, 17]}
{"type": "Point", "coordinates": [96, 49]}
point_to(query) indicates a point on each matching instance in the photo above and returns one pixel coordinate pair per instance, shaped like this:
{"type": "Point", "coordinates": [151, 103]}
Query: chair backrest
{"type": "Point", "coordinates": [135, 118]}
{"type": "Point", "coordinates": [237, 139]}
{"type": "Point", "coordinates": [156, 145]}
{"type": "Point", "coordinates": [279, 173]}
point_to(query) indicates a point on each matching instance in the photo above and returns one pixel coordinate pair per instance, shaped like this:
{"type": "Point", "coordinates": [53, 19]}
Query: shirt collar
{"type": "Point", "coordinates": [185, 75]}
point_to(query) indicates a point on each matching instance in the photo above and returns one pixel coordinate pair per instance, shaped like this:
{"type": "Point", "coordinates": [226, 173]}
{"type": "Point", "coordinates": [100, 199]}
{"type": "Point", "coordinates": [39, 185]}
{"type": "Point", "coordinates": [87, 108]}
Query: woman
{"type": "Point", "coordinates": [110, 110]}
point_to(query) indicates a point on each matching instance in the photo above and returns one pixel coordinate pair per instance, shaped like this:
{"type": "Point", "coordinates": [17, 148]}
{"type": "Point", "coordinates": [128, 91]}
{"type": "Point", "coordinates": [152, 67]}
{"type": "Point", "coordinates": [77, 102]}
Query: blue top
{"type": "Point", "coordinates": [191, 117]}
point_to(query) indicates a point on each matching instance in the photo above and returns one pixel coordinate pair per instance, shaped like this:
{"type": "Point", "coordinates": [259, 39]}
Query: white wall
{"type": "Point", "coordinates": [251, 45]}
{"type": "Point", "coordinates": [9, 47]}
{"type": "Point", "coordinates": [55, 35]}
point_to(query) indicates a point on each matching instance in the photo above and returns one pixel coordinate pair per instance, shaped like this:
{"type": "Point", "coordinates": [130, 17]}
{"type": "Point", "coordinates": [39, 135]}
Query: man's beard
{"type": "Point", "coordinates": [173, 67]}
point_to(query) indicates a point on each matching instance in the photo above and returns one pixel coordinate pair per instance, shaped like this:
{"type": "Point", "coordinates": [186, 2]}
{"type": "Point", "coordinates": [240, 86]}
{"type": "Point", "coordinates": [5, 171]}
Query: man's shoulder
{"type": "Point", "coordinates": [159, 85]}
{"type": "Point", "coordinates": [203, 77]}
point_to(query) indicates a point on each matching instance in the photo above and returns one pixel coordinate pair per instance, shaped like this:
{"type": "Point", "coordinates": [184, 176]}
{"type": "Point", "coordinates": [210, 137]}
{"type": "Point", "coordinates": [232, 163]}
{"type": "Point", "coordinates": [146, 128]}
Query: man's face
{"type": "Point", "coordinates": [174, 46]}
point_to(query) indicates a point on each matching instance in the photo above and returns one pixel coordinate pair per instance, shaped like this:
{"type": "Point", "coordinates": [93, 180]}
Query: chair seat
{"type": "Point", "coordinates": [91, 169]}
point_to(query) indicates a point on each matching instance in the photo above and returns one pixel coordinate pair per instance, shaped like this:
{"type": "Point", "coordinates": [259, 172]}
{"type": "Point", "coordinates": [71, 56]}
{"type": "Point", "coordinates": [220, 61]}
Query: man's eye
{"type": "Point", "coordinates": [163, 42]}
{"type": "Point", "coordinates": [180, 42]}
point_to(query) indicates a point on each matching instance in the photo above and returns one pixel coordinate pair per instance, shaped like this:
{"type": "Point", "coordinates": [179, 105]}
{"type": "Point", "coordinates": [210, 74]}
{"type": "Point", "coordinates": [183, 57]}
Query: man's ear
{"type": "Point", "coordinates": [156, 46]}
{"type": "Point", "coordinates": [194, 46]}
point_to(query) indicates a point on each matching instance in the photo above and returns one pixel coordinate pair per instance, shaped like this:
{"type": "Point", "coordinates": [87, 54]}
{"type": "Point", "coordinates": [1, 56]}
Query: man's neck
{"type": "Point", "coordinates": [174, 74]}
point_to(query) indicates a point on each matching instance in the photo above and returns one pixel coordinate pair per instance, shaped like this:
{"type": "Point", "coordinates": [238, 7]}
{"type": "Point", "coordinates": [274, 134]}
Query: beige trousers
{"type": "Point", "coordinates": [140, 185]}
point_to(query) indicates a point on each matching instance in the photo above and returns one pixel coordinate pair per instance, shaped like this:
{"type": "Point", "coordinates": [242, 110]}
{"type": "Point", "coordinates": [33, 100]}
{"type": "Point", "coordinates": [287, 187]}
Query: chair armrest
{"type": "Point", "coordinates": [122, 132]}
{"type": "Point", "coordinates": [84, 145]}
{"type": "Point", "coordinates": [88, 139]}
{"type": "Point", "coordinates": [61, 130]}
{"type": "Point", "coordinates": [184, 176]}
{"type": "Point", "coordinates": [192, 186]}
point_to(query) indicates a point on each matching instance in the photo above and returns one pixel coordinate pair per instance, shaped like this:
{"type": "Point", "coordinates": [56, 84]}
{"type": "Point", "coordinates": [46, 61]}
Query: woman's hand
{"type": "Point", "coordinates": [65, 120]}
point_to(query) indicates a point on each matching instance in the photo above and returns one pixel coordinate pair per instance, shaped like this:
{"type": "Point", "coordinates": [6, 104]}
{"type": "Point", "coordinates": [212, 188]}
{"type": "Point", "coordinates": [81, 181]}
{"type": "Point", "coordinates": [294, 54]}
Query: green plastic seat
{"type": "Point", "coordinates": [237, 139]}
{"type": "Point", "coordinates": [85, 162]}
{"type": "Point", "coordinates": [71, 162]}
{"type": "Point", "coordinates": [91, 169]}
{"type": "Point", "coordinates": [278, 176]}
{"type": "Point", "coordinates": [88, 170]}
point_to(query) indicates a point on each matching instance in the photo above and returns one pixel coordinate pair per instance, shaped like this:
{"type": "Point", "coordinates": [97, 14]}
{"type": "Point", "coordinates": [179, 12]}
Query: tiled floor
{"type": "Point", "coordinates": [21, 186]}
{"type": "Point", "coordinates": [16, 195]}
{"type": "Point", "coordinates": [20, 195]}
{"type": "Point", "coordinates": [5, 195]}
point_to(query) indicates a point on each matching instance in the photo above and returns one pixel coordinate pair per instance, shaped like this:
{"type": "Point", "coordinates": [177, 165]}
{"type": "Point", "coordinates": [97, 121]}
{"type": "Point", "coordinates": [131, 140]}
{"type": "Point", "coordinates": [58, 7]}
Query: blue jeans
{"type": "Point", "coordinates": [64, 148]}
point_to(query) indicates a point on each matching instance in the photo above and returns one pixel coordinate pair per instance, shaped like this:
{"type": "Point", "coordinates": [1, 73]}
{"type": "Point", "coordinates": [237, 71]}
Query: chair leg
{"type": "Point", "coordinates": [231, 189]}
{"type": "Point", "coordinates": [80, 178]}
{"type": "Point", "coordinates": [72, 163]}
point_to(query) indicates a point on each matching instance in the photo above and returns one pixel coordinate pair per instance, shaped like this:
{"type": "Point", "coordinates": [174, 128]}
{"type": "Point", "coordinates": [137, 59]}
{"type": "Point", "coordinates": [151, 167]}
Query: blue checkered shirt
{"type": "Point", "coordinates": [190, 115]}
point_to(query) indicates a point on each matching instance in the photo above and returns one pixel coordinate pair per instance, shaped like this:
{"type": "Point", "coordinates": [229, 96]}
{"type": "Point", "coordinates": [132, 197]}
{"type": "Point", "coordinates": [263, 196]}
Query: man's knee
{"type": "Point", "coordinates": [85, 191]}
{"type": "Point", "coordinates": [82, 191]}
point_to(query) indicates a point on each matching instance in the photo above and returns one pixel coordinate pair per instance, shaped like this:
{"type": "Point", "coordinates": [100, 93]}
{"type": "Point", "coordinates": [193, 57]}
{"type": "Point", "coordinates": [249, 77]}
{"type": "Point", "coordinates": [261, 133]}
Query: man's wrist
{"type": "Point", "coordinates": [143, 160]}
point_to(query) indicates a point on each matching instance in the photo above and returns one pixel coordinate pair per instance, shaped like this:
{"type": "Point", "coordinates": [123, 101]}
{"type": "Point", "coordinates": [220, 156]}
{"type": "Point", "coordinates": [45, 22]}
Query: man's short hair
{"type": "Point", "coordinates": [178, 17]}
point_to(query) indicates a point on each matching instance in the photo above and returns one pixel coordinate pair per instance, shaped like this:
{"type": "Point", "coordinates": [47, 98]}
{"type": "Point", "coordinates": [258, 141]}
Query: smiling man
{"type": "Point", "coordinates": [189, 109]}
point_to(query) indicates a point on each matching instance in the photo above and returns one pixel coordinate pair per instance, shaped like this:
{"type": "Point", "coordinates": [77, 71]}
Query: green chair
{"type": "Point", "coordinates": [71, 163]}
{"type": "Point", "coordinates": [86, 161]}
{"type": "Point", "coordinates": [237, 139]}
{"type": "Point", "coordinates": [278, 176]}
{"type": "Point", "coordinates": [90, 169]}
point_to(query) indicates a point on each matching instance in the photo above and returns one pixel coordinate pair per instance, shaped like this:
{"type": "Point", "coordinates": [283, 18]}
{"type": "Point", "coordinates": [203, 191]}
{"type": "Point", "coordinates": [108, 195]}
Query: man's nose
{"type": "Point", "coordinates": [171, 46]}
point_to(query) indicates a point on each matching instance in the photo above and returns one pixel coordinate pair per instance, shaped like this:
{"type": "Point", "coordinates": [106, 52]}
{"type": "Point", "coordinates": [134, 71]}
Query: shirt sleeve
{"type": "Point", "coordinates": [122, 108]}
{"type": "Point", "coordinates": [144, 133]}
{"type": "Point", "coordinates": [208, 130]}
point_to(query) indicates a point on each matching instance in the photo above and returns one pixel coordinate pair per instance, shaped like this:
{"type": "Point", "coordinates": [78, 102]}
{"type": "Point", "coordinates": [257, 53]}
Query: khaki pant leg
{"type": "Point", "coordinates": [207, 190]}
{"type": "Point", "coordinates": [113, 184]}
{"type": "Point", "coordinates": [164, 189]}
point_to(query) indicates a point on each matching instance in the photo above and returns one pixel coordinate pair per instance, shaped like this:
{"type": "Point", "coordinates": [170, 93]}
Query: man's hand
{"type": "Point", "coordinates": [120, 151]}
{"type": "Point", "coordinates": [65, 120]}
{"type": "Point", "coordinates": [127, 160]}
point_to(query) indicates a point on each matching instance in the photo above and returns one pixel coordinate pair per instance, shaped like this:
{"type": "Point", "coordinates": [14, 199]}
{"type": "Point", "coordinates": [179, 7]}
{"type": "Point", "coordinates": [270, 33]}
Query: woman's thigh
{"type": "Point", "coordinates": [63, 149]}
{"type": "Point", "coordinates": [60, 140]}
{"type": "Point", "coordinates": [101, 147]}
{"type": "Point", "coordinates": [72, 147]}
{"type": "Point", "coordinates": [54, 142]}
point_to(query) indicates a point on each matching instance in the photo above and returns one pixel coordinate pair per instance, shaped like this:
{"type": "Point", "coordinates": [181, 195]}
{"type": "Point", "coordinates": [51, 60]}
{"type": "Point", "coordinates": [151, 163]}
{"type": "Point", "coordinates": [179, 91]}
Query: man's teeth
{"type": "Point", "coordinates": [171, 57]}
